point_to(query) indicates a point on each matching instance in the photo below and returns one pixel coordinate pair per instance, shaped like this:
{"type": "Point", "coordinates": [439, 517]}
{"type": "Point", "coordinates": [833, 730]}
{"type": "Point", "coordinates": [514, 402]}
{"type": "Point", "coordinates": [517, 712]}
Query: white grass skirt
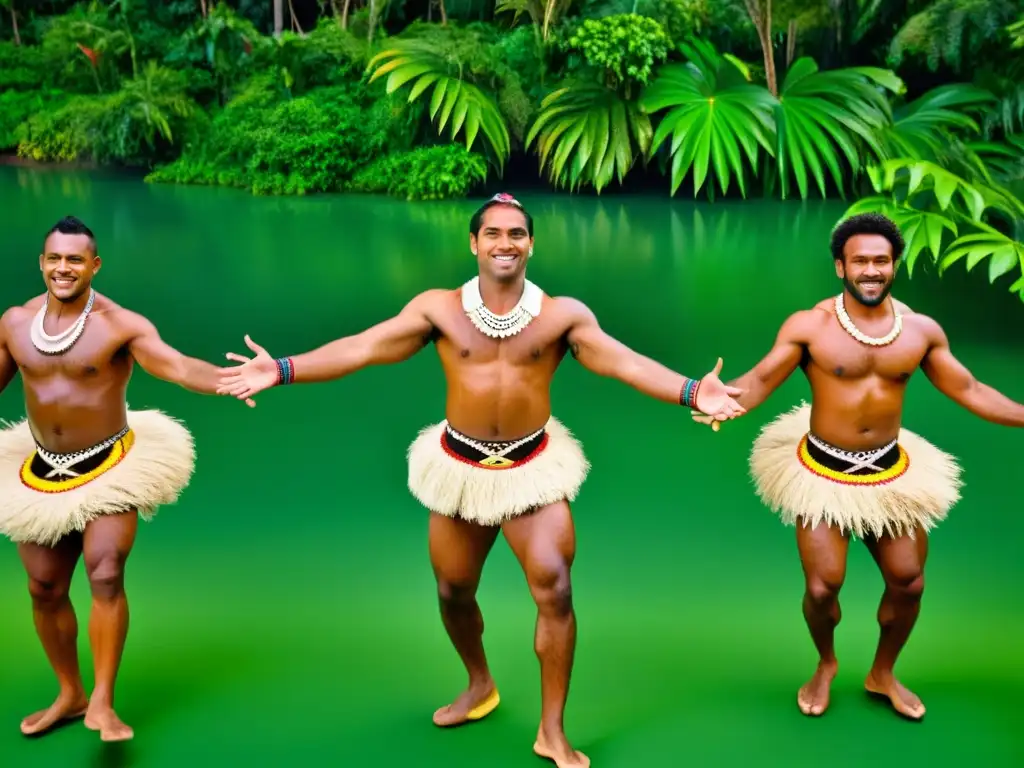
{"type": "Point", "coordinates": [457, 487]}
{"type": "Point", "coordinates": [916, 493]}
{"type": "Point", "coordinates": [149, 467]}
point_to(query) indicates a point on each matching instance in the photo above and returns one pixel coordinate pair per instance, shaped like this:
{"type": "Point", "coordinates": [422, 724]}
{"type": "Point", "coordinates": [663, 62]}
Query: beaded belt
{"type": "Point", "coordinates": [61, 463]}
{"type": "Point", "coordinates": [856, 459]}
{"type": "Point", "coordinates": [497, 452]}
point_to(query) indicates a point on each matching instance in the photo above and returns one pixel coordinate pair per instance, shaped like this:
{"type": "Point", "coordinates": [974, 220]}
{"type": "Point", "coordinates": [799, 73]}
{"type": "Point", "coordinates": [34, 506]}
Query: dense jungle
{"type": "Point", "coordinates": [913, 107]}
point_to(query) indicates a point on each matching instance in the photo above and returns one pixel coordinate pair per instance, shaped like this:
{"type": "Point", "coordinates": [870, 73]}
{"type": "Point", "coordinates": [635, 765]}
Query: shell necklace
{"type": "Point", "coordinates": [62, 342]}
{"type": "Point", "coordinates": [501, 326]}
{"type": "Point", "coordinates": [863, 338]}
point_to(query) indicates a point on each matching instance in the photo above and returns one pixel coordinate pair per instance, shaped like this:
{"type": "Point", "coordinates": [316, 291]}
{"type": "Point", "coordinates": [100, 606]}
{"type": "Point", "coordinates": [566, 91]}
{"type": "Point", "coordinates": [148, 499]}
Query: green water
{"type": "Point", "coordinates": [284, 612]}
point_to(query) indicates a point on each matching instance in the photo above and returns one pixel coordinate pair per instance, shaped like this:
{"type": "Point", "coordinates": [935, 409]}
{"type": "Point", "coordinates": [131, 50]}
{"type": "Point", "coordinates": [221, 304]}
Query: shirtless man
{"type": "Point", "coordinates": [79, 472]}
{"type": "Point", "coordinates": [500, 462]}
{"type": "Point", "coordinates": [844, 465]}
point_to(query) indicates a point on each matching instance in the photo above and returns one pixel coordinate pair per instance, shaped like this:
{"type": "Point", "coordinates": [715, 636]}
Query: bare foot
{"type": "Point", "coordinates": [813, 698]}
{"type": "Point", "coordinates": [106, 721]}
{"type": "Point", "coordinates": [66, 707]}
{"type": "Point", "coordinates": [902, 700]}
{"type": "Point", "coordinates": [556, 748]}
{"type": "Point", "coordinates": [475, 703]}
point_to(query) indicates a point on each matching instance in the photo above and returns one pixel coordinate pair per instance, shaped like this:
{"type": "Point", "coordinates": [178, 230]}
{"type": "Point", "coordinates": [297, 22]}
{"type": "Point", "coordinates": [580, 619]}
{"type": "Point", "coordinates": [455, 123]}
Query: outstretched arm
{"type": "Point", "coordinates": [161, 360]}
{"type": "Point", "coordinates": [391, 341]}
{"type": "Point", "coordinates": [778, 365]}
{"type": "Point", "coordinates": [601, 354]}
{"type": "Point", "coordinates": [7, 365]}
{"type": "Point", "coordinates": [952, 379]}
{"type": "Point", "coordinates": [774, 368]}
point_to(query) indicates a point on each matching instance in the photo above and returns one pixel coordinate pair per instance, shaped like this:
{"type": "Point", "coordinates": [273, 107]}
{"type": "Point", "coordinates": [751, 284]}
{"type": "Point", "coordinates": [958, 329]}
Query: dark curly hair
{"type": "Point", "coordinates": [866, 224]}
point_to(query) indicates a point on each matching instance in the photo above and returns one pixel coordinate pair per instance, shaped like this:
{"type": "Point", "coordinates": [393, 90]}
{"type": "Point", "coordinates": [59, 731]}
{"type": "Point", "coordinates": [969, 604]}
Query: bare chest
{"type": "Point", "coordinates": [95, 354]}
{"type": "Point", "coordinates": [461, 342]}
{"type": "Point", "coordinates": [836, 353]}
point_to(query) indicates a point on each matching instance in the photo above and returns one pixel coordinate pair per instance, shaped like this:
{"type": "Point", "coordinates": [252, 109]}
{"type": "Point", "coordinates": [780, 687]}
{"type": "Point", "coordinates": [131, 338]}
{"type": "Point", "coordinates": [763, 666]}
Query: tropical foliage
{"type": "Point", "coordinates": [914, 107]}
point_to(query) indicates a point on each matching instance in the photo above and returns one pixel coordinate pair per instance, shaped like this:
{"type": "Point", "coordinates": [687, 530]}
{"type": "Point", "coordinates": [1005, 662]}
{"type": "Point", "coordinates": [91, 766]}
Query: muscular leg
{"type": "Point", "coordinates": [901, 561]}
{"type": "Point", "coordinates": [107, 543]}
{"type": "Point", "coordinates": [458, 551]}
{"type": "Point", "coordinates": [49, 579]}
{"type": "Point", "coordinates": [545, 545]}
{"type": "Point", "coordinates": [823, 553]}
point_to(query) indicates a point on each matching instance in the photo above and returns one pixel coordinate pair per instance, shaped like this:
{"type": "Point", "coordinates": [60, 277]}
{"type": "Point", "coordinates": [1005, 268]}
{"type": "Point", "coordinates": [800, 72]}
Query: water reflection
{"type": "Point", "coordinates": [675, 262]}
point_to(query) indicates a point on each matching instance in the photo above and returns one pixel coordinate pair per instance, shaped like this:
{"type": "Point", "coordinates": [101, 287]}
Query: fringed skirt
{"type": "Point", "coordinates": [489, 483]}
{"type": "Point", "coordinates": [894, 490]}
{"type": "Point", "coordinates": [45, 496]}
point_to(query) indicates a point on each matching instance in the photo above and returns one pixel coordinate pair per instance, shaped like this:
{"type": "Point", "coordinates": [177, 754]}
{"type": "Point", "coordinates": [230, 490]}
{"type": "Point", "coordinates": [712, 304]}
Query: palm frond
{"type": "Point", "coordinates": [716, 118]}
{"type": "Point", "coordinates": [588, 134]}
{"type": "Point", "coordinates": [469, 109]}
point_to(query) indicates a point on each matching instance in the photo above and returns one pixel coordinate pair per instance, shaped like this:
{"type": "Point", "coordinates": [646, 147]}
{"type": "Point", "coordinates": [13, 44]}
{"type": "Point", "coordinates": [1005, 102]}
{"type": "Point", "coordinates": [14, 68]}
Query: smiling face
{"type": "Point", "coordinates": [502, 244]}
{"type": "Point", "coordinates": [867, 268]}
{"type": "Point", "coordinates": [68, 263]}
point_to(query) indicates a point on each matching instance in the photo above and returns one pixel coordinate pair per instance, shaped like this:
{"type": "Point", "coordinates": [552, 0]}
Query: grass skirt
{"type": "Point", "coordinates": [146, 469]}
{"type": "Point", "coordinates": [490, 496]}
{"type": "Point", "coordinates": [917, 492]}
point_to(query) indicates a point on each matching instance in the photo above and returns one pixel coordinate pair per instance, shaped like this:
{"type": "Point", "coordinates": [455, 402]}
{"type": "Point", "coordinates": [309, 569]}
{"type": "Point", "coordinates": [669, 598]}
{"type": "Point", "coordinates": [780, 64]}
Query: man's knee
{"type": "Point", "coordinates": [823, 590]}
{"type": "Point", "coordinates": [48, 593]}
{"type": "Point", "coordinates": [106, 575]}
{"type": "Point", "coordinates": [455, 595]}
{"type": "Point", "coordinates": [551, 587]}
{"type": "Point", "coordinates": [905, 583]}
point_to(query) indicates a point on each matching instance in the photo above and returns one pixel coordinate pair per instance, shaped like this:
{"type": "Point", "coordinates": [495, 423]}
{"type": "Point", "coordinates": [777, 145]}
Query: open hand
{"type": "Point", "coordinates": [252, 377]}
{"type": "Point", "coordinates": [715, 399]}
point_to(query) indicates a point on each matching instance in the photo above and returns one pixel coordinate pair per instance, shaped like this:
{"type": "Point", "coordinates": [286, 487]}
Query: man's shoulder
{"type": "Point", "coordinates": [902, 308]}
{"type": "Point", "coordinates": [121, 319]}
{"type": "Point", "coordinates": [434, 299]}
{"type": "Point", "coordinates": [824, 307]}
{"type": "Point", "coordinates": [814, 317]}
{"type": "Point", "coordinates": [567, 309]}
{"type": "Point", "coordinates": [917, 320]}
{"type": "Point", "coordinates": [20, 312]}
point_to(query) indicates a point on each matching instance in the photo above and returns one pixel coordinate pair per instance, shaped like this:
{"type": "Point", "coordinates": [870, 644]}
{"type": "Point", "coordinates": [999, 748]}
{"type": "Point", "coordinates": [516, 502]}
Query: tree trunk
{"type": "Point", "coordinates": [444, 13]}
{"type": "Point", "coordinates": [296, 27]}
{"type": "Point", "coordinates": [761, 15]}
{"type": "Point", "coordinates": [790, 43]}
{"type": "Point", "coordinates": [17, 34]}
{"type": "Point", "coordinates": [278, 17]}
{"type": "Point", "coordinates": [344, 14]}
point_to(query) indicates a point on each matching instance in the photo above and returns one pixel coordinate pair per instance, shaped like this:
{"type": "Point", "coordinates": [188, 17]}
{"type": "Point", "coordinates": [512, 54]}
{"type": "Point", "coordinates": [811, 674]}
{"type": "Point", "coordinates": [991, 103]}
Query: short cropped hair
{"type": "Point", "coordinates": [72, 225]}
{"type": "Point", "coordinates": [502, 198]}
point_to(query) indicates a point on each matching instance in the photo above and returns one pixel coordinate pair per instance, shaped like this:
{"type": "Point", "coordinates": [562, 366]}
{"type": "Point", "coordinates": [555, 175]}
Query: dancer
{"type": "Point", "coordinates": [844, 466]}
{"type": "Point", "coordinates": [500, 462]}
{"type": "Point", "coordinates": [79, 471]}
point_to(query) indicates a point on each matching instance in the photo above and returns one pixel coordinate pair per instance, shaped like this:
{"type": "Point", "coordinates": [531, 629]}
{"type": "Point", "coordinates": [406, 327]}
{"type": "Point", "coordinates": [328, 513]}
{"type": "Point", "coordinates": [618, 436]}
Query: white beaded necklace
{"type": "Point", "coordinates": [62, 342]}
{"type": "Point", "coordinates": [501, 326]}
{"type": "Point", "coordinates": [863, 338]}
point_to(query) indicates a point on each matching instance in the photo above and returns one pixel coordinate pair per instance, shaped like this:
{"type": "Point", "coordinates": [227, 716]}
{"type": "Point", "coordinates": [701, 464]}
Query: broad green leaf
{"type": "Point", "coordinates": [712, 113]}
{"type": "Point", "coordinates": [588, 134]}
{"type": "Point", "coordinates": [1001, 261]}
{"type": "Point", "coordinates": [455, 103]}
{"type": "Point", "coordinates": [822, 114]}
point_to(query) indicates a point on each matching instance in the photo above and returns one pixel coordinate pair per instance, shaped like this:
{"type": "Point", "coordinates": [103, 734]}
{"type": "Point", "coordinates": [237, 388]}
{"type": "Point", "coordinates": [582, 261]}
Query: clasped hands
{"type": "Point", "coordinates": [252, 376]}
{"type": "Point", "coordinates": [715, 402]}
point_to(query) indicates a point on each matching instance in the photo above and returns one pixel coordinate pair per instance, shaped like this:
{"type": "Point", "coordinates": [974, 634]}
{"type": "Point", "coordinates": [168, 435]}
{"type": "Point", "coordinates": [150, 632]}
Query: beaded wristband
{"type": "Point", "coordinates": [285, 370]}
{"type": "Point", "coordinates": [688, 393]}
